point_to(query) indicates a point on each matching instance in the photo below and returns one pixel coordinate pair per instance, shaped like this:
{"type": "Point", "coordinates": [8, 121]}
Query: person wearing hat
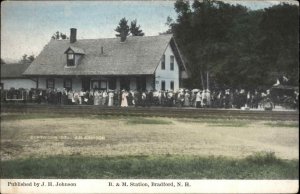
{"type": "Point", "coordinates": [170, 98]}
{"type": "Point", "coordinates": [70, 97]}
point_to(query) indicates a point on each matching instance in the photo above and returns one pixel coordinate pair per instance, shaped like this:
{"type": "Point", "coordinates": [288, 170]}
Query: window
{"type": "Point", "coordinates": [95, 84]}
{"type": "Point", "coordinates": [163, 62]}
{"type": "Point", "coordinates": [163, 85]}
{"type": "Point", "coordinates": [50, 83]}
{"type": "Point", "coordinates": [171, 62]}
{"type": "Point", "coordinates": [172, 85]}
{"type": "Point", "coordinates": [70, 59]}
{"type": "Point", "coordinates": [103, 85]}
{"type": "Point", "coordinates": [68, 84]}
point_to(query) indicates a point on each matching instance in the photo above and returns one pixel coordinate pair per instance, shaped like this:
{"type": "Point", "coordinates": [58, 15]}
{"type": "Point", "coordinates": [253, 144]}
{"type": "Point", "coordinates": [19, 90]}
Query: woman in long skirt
{"type": "Point", "coordinates": [96, 97]}
{"type": "Point", "coordinates": [111, 98]}
{"type": "Point", "coordinates": [104, 100]}
{"type": "Point", "coordinates": [124, 102]}
{"type": "Point", "coordinates": [186, 98]}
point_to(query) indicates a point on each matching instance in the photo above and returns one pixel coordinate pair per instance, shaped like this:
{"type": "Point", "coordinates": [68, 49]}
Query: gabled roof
{"type": "Point", "coordinates": [136, 56]}
{"type": "Point", "coordinates": [75, 50]}
{"type": "Point", "coordinates": [13, 70]}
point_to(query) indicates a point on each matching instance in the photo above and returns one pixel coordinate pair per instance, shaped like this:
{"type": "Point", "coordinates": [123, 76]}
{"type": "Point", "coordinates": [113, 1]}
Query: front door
{"type": "Point", "coordinates": [125, 83]}
{"type": "Point", "coordinates": [86, 84]}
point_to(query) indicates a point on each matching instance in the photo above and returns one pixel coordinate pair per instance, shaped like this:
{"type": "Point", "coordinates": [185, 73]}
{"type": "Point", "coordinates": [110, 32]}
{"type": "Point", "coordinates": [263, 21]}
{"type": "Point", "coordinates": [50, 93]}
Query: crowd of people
{"type": "Point", "coordinates": [181, 98]}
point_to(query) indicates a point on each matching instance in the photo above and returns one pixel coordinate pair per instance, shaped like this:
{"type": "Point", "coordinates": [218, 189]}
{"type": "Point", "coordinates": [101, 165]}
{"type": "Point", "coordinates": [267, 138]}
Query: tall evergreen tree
{"type": "Point", "coordinates": [122, 29]}
{"type": "Point", "coordinates": [58, 35]}
{"type": "Point", "coordinates": [135, 30]}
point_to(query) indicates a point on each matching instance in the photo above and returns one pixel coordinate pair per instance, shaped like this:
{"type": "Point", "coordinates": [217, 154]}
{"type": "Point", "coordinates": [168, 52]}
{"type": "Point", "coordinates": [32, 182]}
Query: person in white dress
{"type": "Point", "coordinates": [208, 97]}
{"type": "Point", "coordinates": [187, 99]}
{"type": "Point", "coordinates": [111, 98]}
{"type": "Point", "coordinates": [124, 102]}
{"type": "Point", "coordinates": [96, 97]}
{"type": "Point", "coordinates": [104, 99]}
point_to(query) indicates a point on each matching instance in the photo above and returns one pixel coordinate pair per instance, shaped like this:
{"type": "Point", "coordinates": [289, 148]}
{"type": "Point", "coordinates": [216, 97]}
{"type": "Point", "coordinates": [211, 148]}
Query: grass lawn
{"type": "Point", "coordinates": [155, 167]}
{"type": "Point", "coordinates": [68, 146]}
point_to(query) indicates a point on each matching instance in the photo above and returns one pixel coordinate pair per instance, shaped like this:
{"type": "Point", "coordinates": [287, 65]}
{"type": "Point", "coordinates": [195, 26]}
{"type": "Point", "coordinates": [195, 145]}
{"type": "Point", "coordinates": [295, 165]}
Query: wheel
{"type": "Point", "coordinates": [268, 105]}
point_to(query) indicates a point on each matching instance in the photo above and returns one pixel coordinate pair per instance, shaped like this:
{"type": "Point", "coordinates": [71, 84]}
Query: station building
{"type": "Point", "coordinates": [138, 62]}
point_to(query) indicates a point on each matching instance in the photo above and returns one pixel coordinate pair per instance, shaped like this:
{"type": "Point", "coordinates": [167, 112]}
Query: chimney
{"type": "Point", "coordinates": [73, 35]}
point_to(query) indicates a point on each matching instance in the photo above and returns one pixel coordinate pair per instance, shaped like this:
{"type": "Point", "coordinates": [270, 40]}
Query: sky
{"type": "Point", "coordinates": [26, 27]}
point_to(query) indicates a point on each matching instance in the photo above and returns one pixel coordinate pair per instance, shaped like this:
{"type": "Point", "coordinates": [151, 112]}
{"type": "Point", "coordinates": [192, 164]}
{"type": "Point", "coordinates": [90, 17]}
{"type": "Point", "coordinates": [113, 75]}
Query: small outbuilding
{"type": "Point", "coordinates": [12, 76]}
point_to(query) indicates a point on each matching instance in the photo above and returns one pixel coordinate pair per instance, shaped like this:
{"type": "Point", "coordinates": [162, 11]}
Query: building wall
{"type": "Point", "coordinates": [132, 83]}
{"type": "Point", "coordinates": [59, 83]}
{"type": "Point", "coordinates": [149, 83]}
{"type": "Point", "coordinates": [167, 75]}
{"type": "Point", "coordinates": [77, 83]}
{"type": "Point", "coordinates": [18, 83]}
{"type": "Point", "coordinates": [118, 84]}
{"type": "Point", "coordinates": [42, 83]}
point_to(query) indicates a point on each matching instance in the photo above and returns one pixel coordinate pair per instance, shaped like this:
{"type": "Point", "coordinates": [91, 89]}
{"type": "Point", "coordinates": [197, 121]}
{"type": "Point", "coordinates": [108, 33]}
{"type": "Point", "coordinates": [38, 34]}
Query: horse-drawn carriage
{"type": "Point", "coordinates": [281, 95]}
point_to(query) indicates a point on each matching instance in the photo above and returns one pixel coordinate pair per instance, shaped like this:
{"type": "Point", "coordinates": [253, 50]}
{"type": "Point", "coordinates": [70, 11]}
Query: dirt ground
{"type": "Point", "coordinates": [115, 136]}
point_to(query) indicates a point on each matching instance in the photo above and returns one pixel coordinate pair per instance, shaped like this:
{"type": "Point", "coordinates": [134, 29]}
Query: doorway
{"type": "Point", "coordinates": [86, 84]}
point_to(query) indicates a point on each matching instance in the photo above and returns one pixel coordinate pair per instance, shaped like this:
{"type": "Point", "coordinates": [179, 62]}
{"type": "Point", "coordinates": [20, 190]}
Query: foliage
{"type": "Point", "coordinates": [135, 30]}
{"type": "Point", "coordinates": [155, 167]}
{"type": "Point", "coordinates": [237, 47]}
{"type": "Point", "coordinates": [122, 29]}
{"type": "Point", "coordinates": [263, 158]}
{"type": "Point", "coordinates": [2, 61]}
{"type": "Point", "coordinates": [27, 59]}
{"type": "Point", "coordinates": [58, 35]}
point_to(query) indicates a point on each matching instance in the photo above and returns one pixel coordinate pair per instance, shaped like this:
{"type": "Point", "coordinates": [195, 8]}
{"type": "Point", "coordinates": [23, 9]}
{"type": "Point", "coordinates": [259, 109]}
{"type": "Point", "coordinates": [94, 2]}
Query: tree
{"type": "Point", "coordinates": [135, 30]}
{"type": "Point", "coordinates": [234, 46]}
{"type": "Point", "coordinates": [279, 47]}
{"type": "Point", "coordinates": [58, 35]}
{"type": "Point", "coordinates": [122, 29]}
{"type": "Point", "coordinates": [170, 22]}
{"type": "Point", "coordinates": [27, 59]}
{"type": "Point", "coordinates": [201, 31]}
{"type": "Point", "coordinates": [31, 58]}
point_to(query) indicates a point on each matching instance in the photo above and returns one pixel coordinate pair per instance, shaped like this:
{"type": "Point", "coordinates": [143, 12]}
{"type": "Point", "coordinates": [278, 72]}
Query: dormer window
{"type": "Point", "coordinates": [73, 55]}
{"type": "Point", "coordinates": [70, 59]}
